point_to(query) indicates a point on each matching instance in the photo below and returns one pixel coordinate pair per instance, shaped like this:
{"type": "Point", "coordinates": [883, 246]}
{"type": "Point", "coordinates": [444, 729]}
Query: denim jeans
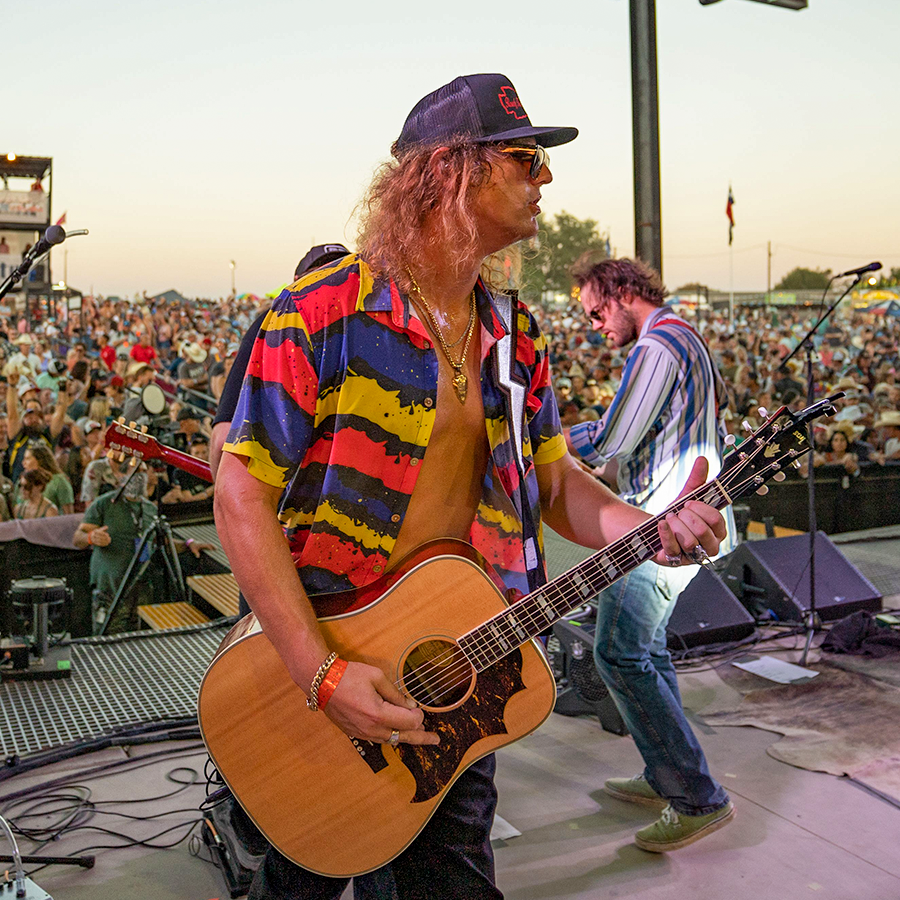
{"type": "Point", "coordinates": [631, 656]}
{"type": "Point", "coordinates": [450, 859]}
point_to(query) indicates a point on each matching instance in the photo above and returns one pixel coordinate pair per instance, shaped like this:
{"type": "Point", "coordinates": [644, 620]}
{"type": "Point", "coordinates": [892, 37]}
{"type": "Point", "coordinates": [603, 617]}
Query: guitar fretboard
{"type": "Point", "coordinates": [534, 613]}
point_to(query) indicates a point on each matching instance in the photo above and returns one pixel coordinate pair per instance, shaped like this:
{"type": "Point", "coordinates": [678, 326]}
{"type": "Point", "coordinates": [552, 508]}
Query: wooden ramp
{"type": "Point", "coordinates": [220, 591]}
{"type": "Point", "coordinates": [160, 616]}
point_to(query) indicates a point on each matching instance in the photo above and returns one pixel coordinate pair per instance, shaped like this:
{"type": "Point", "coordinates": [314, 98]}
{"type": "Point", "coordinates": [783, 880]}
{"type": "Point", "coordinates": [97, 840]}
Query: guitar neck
{"type": "Point", "coordinates": [186, 462]}
{"type": "Point", "coordinates": [533, 614]}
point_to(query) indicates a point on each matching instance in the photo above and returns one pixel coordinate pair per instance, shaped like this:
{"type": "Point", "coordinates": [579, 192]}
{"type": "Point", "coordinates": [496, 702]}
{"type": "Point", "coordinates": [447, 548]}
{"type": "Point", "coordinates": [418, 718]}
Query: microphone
{"type": "Point", "coordinates": [55, 234]}
{"type": "Point", "coordinates": [871, 267]}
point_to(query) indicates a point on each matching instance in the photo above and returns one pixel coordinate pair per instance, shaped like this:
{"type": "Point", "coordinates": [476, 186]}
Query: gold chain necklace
{"type": "Point", "coordinates": [459, 382]}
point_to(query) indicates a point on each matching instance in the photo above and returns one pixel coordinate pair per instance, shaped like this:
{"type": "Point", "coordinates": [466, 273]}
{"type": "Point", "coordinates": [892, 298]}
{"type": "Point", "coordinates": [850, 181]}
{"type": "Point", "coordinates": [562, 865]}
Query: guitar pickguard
{"type": "Point", "coordinates": [480, 716]}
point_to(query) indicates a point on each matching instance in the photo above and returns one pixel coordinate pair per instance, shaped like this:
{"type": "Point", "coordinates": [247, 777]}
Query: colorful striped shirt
{"type": "Point", "coordinates": [664, 416]}
{"type": "Point", "coordinates": [337, 409]}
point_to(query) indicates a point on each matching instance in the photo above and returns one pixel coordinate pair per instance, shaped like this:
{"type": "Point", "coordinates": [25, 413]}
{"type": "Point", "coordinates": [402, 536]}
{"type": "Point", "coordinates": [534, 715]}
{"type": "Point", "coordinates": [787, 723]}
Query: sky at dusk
{"type": "Point", "coordinates": [187, 134]}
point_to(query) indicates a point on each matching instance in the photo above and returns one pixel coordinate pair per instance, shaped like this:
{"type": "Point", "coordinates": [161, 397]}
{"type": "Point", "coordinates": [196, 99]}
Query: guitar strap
{"type": "Point", "coordinates": [514, 390]}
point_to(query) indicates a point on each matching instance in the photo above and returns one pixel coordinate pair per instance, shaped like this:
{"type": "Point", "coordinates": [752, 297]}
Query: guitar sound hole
{"type": "Point", "coordinates": [436, 674]}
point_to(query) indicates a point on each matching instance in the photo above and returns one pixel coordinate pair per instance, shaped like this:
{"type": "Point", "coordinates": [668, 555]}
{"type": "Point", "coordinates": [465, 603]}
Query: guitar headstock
{"type": "Point", "coordinates": [777, 444]}
{"type": "Point", "coordinates": [127, 440]}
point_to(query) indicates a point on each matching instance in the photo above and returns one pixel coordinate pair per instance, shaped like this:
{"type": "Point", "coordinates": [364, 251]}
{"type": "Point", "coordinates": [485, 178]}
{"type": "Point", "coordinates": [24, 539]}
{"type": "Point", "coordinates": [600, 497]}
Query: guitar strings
{"type": "Point", "coordinates": [458, 674]}
{"type": "Point", "coordinates": [647, 530]}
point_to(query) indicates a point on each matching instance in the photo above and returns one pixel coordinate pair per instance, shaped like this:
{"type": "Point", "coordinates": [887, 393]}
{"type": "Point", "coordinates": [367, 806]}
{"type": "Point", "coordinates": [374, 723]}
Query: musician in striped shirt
{"type": "Point", "coordinates": [667, 413]}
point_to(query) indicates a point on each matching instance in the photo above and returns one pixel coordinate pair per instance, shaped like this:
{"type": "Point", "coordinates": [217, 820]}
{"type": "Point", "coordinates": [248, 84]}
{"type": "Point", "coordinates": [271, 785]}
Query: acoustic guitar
{"type": "Point", "coordinates": [438, 626]}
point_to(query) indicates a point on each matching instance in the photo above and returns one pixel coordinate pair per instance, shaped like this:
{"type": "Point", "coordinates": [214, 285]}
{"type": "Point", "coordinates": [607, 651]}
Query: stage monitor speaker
{"type": "Point", "coordinates": [774, 575]}
{"type": "Point", "coordinates": [581, 690]}
{"type": "Point", "coordinates": [706, 612]}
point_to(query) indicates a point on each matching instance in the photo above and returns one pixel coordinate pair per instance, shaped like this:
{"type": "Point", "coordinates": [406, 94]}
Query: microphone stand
{"type": "Point", "coordinates": [813, 623]}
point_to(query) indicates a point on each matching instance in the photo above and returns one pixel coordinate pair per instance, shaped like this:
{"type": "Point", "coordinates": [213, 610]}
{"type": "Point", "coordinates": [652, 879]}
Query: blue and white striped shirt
{"type": "Point", "coordinates": [663, 417]}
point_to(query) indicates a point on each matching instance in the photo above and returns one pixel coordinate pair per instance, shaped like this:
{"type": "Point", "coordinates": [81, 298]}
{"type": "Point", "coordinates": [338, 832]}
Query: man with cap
{"type": "Point", "coordinates": [375, 415]}
{"type": "Point", "coordinates": [29, 425]}
{"type": "Point", "coordinates": [665, 415]}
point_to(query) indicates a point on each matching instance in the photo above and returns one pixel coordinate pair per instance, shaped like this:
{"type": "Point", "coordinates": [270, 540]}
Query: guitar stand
{"type": "Point", "coordinates": [165, 546]}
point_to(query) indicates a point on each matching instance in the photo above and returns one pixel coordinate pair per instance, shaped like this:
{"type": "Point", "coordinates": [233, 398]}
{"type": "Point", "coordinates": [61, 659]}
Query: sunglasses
{"type": "Point", "coordinates": [536, 157]}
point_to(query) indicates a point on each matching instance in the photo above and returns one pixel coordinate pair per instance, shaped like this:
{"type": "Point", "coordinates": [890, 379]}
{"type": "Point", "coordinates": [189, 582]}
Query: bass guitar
{"type": "Point", "coordinates": [438, 626]}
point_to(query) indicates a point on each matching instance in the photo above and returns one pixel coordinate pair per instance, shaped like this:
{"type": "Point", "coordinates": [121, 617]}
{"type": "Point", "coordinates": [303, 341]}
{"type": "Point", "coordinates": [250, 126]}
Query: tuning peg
{"type": "Point", "coordinates": [797, 464]}
{"type": "Point", "coordinates": [134, 462]}
{"type": "Point", "coordinates": [763, 412]}
{"type": "Point", "coordinates": [763, 490]}
{"type": "Point", "coordinates": [121, 420]}
{"type": "Point", "coordinates": [110, 454]}
{"type": "Point", "coordinates": [778, 476]}
{"type": "Point", "coordinates": [143, 429]}
{"type": "Point", "coordinates": [121, 456]}
{"type": "Point", "coordinates": [132, 425]}
{"type": "Point", "coordinates": [746, 426]}
{"type": "Point", "coordinates": [729, 440]}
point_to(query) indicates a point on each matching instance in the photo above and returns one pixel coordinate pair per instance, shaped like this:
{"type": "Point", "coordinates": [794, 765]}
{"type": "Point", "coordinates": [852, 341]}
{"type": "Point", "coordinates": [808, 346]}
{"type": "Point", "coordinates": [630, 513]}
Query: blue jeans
{"type": "Point", "coordinates": [631, 656]}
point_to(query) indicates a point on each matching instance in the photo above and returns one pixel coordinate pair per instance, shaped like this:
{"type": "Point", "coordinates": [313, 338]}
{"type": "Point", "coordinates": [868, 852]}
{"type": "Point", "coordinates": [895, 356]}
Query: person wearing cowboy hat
{"type": "Point", "coordinates": [138, 376]}
{"type": "Point", "coordinates": [25, 355]}
{"type": "Point", "coordinates": [192, 373]}
{"type": "Point", "coordinates": [888, 426]}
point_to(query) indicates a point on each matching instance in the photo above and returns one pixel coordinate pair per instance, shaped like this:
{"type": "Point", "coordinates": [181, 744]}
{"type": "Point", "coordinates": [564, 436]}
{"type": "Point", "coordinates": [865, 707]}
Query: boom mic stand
{"type": "Point", "coordinates": [813, 622]}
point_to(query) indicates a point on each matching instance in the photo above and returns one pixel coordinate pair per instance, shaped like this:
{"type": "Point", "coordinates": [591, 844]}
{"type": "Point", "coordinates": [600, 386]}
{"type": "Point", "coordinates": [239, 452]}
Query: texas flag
{"type": "Point", "coordinates": [729, 211]}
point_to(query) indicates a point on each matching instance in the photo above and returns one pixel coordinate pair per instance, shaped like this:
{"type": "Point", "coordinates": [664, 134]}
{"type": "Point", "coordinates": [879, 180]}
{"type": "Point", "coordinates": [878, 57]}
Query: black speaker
{"type": "Point", "coordinates": [581, 690]}
{"type": "Point", "coordinates": [706, 612]}
{"type": "Point", "coordinates": [774, 575]}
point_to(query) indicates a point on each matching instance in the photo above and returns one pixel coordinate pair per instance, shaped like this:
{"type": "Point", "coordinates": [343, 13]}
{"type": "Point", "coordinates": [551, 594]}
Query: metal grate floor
{"type": "Point", "coordinates": [116, 682]}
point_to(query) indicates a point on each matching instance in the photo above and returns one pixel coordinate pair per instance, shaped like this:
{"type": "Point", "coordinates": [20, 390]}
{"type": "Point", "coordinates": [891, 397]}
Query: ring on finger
{"type": "Point", "coordinates": [673, 560]}
{"type": "Point", "coordinates": [394, 739]}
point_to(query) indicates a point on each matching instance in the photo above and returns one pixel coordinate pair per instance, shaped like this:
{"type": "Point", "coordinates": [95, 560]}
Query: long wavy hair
{"type": "Point", "coordinates": [409, 192]}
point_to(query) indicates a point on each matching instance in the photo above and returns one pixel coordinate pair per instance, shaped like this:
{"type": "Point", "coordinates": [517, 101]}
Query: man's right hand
{"type": "Point", "coordinates": [367, 706]}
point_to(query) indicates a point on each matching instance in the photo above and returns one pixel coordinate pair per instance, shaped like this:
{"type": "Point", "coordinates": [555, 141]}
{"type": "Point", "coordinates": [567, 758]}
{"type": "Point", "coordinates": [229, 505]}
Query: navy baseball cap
{"type": "Point", "coordinates": [319, 256]}
{"type": "Point", "coordinates": [481, 108]}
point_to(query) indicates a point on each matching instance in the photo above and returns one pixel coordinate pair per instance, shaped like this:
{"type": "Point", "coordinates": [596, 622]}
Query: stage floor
{"type": "Point", "coordinates": [797, 833]}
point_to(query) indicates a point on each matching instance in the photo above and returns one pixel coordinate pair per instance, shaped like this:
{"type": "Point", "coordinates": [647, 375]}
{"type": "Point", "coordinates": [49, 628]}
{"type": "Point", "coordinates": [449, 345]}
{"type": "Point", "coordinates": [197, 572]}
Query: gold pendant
{"type": "Point", "coordinates": [459, 385]}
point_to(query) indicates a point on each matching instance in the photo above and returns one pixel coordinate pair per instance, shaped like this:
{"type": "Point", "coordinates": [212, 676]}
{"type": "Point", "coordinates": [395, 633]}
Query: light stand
{"type": "Point", "coordinates": [813, 622]}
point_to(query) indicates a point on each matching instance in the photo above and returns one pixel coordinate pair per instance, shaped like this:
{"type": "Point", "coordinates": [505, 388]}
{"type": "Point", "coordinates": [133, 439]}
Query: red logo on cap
{"type": "Point", "coordinates": [511, 103]}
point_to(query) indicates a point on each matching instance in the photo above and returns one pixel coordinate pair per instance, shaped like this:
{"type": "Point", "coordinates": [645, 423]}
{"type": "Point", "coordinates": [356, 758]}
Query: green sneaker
{"type": "Point", "coordinates": [635, 790]}
{"type": "Point", "coordinates": [672, 831]}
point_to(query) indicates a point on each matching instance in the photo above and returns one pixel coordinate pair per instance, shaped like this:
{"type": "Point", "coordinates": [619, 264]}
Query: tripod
{"type": "Point", "coordinates": [813, 623]}
{"type": "Point", "coordinates": [164, 545]}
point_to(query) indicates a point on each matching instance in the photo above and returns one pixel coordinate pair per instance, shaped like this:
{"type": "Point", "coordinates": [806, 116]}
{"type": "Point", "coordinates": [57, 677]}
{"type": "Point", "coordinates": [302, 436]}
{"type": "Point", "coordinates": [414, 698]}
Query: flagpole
{"type": "Point", "coordinates": [731, 286]}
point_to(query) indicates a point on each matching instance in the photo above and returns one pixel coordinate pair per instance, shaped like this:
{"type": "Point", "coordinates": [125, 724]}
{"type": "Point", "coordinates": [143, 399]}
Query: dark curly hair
{"type": "Point", "coordinates": [616, 279]}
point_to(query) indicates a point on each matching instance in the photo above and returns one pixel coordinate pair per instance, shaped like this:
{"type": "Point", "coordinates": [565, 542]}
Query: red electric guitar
{"type": "Point", "coordinates": [126, 440]}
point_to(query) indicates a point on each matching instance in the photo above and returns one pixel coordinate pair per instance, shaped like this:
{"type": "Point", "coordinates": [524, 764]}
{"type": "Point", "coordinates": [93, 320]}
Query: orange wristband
{"type": "Point", "coordinates": [331, 681]}
{"type": "Point", "coordinates": [90, 539]}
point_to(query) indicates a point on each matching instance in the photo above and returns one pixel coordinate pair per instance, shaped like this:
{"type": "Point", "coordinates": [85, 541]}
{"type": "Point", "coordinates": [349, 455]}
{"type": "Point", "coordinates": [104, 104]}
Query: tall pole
{"type": "Point", "coordinates": [768, 273]}
{"type": "Point", "coordinates": [645, 131]}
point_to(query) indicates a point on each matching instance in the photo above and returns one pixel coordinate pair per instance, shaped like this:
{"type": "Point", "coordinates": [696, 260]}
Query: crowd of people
{"type": "Point", "coordinates": [63, 388]}
{"type": "Point", "coordinates": [856, 354]}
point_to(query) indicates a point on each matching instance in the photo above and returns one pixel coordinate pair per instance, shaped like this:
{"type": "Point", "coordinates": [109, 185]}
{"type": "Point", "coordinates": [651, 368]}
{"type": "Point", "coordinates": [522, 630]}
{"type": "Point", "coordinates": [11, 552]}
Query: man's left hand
{"type": "Point", "coordinates": [694, 533]}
